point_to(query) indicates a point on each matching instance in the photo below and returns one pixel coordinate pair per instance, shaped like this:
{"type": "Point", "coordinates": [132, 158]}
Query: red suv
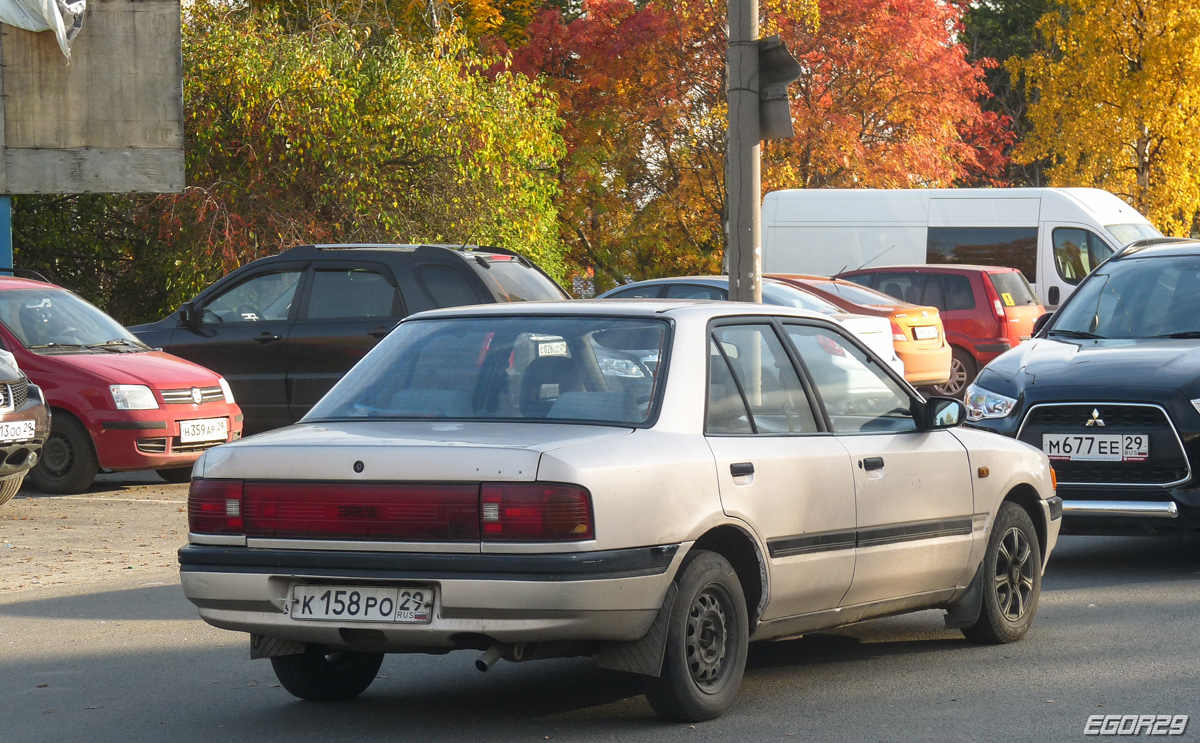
{"type": "Point", "coordinates": [986, 309]}
{"type": "Point", "coordinates": [117, 404]}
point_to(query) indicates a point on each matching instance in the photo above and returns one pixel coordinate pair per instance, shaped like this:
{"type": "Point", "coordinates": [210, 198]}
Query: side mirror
{"type": "Point", "coordinates": [189, 316]}
{"type": "Point", "coordinates": [1040, 323]}
{"type": "Point", "coordinates": [945, 412]}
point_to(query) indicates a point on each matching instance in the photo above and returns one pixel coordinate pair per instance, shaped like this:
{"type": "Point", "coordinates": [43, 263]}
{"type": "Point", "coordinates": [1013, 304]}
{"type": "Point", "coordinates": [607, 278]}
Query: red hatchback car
{"type": "Point", "coordinates": [116, 403]}
{"type": "Point", "coordinates": [986, 309]}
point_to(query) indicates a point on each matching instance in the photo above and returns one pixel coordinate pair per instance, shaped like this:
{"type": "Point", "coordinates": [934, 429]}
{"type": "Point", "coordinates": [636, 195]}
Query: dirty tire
{"type": "Point", "coordinates": [320, 675]}
{"type": "Point", "coordinates": [9, 487]}
{"type": "Point", "coordinates": [1012, 579]}
{"type": "Point", "coordinates": [707, 642]}
{"type": "Point", "coordinates": [68, 461]}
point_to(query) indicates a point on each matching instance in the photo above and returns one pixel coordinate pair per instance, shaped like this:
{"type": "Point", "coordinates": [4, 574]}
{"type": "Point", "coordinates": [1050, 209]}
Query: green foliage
{"type": "Point", "coordinates": [315, 135]}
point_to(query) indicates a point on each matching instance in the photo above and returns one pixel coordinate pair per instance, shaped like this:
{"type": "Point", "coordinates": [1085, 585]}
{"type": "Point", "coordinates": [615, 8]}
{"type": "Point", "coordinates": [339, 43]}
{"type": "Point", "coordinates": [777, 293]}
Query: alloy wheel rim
{"type": "Point", "coordinates": [707, 637]}
{"type": "Point", "coordinates": [957, 381]}
{"type": "Point", "coordinates": [57, 455]}
{"type": "Point", "coordinates": [1014, 574]}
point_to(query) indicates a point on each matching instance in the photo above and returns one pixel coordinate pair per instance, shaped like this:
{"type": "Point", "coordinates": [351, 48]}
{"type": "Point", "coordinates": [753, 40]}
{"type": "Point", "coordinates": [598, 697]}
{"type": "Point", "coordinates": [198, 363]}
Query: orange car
{"type": "Point", "coordinates": [917, 331]}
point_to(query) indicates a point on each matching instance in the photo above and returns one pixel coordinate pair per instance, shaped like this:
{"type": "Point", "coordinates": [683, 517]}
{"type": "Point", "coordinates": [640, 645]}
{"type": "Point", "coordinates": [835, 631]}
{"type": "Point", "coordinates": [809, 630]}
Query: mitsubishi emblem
{"type": "Point", "coordinates": [198, 397]}
{"type": "Point", "coordinates": [1095, 420]}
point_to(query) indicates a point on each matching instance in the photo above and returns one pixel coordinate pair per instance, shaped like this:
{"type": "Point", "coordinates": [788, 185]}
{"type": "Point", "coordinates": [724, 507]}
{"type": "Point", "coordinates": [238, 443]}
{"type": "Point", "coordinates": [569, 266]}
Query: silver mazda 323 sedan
{"type": "Point", "coordinates": [652, 483]}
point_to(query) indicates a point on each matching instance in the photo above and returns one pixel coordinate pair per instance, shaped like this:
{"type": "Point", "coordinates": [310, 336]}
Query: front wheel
{"type": "Point", "coordinates": [321, 675]}
{"type": "Point", "coordinates": [1012, 579]}
{"type": "Point", "coordinates": [68, 463]}
{"type": "Point", "coordinates": [9, 487]}
{"type": "Point", "coordinates": [707, 642]}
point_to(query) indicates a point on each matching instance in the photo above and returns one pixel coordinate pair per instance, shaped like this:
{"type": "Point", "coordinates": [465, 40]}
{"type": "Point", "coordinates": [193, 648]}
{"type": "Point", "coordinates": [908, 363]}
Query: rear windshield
{"type": "Point", "coordinates": [511, 279]}
{"type": "Point", "coordinates": [858, 294]}
{"type": "Point", "coordinates": [790, 296]}
{"type": "Point", "coordinates": [558, 369]}
{"type": "Point", "coordinates": [1013, 288]}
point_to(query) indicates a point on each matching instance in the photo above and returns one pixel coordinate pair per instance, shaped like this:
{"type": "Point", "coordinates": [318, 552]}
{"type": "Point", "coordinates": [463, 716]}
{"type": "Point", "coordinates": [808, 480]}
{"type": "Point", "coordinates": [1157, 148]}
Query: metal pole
{"type": "Point", "coordinates": [6, 254]}
{"type": "Point", "coordinates": [743, 176]}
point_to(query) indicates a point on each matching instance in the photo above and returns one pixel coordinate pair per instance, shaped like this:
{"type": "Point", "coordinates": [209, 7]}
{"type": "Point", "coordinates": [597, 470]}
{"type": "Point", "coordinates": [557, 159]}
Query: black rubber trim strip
{"type": "Point", "coordinates": [830, 541]}
{"type": "Point", "coordinates": [810, 543]}
{"type": "Point", "coordinates": [132, 425]}
{"type": "Point", "coordinates": [891, 534]}
{"type": "Point", "coordinates": [993, 347]}
{"type": "Point", "coordinates": [562, 566]}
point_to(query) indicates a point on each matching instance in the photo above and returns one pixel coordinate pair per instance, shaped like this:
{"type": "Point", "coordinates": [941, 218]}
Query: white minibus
{"type": "Point", "coordinates": [1055, 236]}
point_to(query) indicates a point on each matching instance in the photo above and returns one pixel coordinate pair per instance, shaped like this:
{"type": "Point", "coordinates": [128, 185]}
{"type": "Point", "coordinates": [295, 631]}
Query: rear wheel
{"type": "Point", "coordinates": [707, 642]}
{"type": "Point", "coordinates": [1012, 579]}
{"type": "Point", "coordinates": [962, 372]}
{"type": "Point", "coordinates": [9, 487]}
{"type": "Point", "coordinates": [321, 675]}
{"type": "Point", "coordinates": [68, 462]}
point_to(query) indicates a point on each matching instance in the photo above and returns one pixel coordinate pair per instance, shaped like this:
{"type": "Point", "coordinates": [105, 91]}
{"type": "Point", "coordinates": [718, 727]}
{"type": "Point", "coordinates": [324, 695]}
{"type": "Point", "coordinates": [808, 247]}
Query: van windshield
{"type": "Point", "coordinates": [1127, 233]}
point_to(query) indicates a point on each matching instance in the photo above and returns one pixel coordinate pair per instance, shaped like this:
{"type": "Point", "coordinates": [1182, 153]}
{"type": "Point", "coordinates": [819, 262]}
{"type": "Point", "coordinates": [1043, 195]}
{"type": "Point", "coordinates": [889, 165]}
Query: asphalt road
{"type": "Point", "coordinates": [111, 651]}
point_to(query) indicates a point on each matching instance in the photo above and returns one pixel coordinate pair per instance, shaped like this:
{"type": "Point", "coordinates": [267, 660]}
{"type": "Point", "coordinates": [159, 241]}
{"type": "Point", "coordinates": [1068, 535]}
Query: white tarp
{"type": "Point", "coordinates": [63, 18]}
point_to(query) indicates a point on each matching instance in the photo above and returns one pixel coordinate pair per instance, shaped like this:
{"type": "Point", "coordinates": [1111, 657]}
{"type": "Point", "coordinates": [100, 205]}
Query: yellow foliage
{"type": "Point", "coordinates": [1117, 103]}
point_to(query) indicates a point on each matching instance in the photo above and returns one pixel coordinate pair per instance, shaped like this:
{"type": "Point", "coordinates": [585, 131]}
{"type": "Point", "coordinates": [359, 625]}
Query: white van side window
{"type": "Point", "coordinates": [1014, 247]}
{"type": "Point", "coordinates": [1076, 252]}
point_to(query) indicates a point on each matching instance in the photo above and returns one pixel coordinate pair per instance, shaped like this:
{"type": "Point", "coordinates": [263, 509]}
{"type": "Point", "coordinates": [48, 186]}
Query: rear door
{"type": "Point", "coordinates": [347, 307]}
{"type": "Point", "coordinates": [778, 471]}
{"type": "Point", "coordinates": [913, 493]}
{"type": "Point", "coordinates": [244, 334]}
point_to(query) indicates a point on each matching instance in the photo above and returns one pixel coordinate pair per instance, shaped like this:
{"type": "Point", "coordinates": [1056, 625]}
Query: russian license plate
{"type": "Point", "coordinates": [1097, 447]}
{"type": "Point", "coordinates": [17, 430]}
{"type": "Point", "coordinates": [203, 429]}
{"type": "Point", "coordinates": [553, 348]}
{"type": "Point", "coordinates": [925, 332]}
{"type": "Point", "coordinates": [407, 604]}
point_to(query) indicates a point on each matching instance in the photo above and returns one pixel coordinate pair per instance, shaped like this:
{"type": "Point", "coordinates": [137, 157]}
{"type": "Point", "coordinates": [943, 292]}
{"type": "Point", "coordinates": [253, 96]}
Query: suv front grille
{"type": "Point", "coordinates": [14, 394]}
{"type": "Point", "coordinates": [182, 397]}
{"type": "Point", "coordinates": [1167, 464]}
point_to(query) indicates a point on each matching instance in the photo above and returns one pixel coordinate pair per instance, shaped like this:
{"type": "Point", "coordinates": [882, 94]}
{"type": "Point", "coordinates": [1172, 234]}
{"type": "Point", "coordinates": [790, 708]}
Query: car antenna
{"type": "Point", "coordinates": [872, 260]}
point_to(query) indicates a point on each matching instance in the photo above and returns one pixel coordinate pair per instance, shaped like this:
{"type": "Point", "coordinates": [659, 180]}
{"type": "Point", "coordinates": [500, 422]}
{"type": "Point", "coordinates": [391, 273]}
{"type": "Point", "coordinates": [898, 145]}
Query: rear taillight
{"type": "Point", "coordinates": [522, 512]}
{"type": "Point", "coordinates": [994, 299]}
{"type": "Point", "coordinates": [215, 507]}
{"type": "Point", "coordinates": [401, 512]}
{"type": "Point", "coordinates": [897, 333]}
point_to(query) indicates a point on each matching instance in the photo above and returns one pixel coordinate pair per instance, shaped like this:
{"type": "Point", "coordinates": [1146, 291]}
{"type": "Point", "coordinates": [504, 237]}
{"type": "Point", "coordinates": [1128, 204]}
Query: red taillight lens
{"type": "Point", "coordinates": [404, 512]}
{"type": "Point", "coordinates": [830, 346]}
{"type": "Point", "coordinates": [897, 333]}
{"type": "Point", "coordinates": [994, 297]}
{"type": "Point", "coordinates": [532, 512]}
{"type": "Point", "coordinates": [215, 507]}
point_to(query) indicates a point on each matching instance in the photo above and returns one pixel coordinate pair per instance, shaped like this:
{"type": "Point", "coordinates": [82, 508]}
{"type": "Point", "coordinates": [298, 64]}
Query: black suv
{"type": "Point", "coordinates": [284, 329]}
{"type": "Point", "coordinates": [1109, 388]}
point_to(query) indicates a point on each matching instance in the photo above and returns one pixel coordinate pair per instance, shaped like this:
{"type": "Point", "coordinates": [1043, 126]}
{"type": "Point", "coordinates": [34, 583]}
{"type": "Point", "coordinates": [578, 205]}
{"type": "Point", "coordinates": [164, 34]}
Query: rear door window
{"type": "Point", "coordinates": [637, 292]}
{"type": "Point", "coordinates": [446, 285]}
{"type": "Point", "coordinates": [957, 293]}
{"type": "Point", "coordinates": [338, 293]}
{"type": "Point", "coordinates": [749, 369]}
{"type": "Point", "coordinates": [907, 287]}
{"type": "Point", "coordinates": [694, 291]}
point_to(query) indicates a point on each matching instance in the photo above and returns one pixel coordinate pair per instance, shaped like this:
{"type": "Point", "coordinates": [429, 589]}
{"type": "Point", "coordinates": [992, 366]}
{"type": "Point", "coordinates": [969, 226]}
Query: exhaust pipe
{"type": "Point", "coordinates": [489, 657]}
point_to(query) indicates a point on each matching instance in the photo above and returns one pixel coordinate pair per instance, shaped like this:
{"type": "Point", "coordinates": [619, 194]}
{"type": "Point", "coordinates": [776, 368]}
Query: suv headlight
{"type": "Point", "coordinates": [133, 397]}
{"type": "Point", "coordinates": [225, 390]}
{"type": "Point", "coordinates": [982, 403]}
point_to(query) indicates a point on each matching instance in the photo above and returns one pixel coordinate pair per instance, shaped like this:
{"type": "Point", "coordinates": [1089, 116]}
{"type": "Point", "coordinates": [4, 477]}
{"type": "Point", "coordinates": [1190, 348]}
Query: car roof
{"type": "Point", "coordinates": [14, 282]}
{"type": "Point", "coordinates": [396, 247]}
{"type": "Point", "coordinates": [720, 281]}
{"type": "Point", "coordinates": [1154, 247]}
{"type": "Point", "coordinates": [932, 268]}
{"type": "Point", "coordinates": [639, 307]}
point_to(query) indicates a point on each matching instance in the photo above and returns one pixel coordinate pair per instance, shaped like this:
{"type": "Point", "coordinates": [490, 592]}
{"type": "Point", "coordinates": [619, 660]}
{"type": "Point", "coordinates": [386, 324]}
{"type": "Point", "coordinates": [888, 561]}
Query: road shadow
{"type": "Point", "coordinates": [106, 483]}
{"type": "Point", "coordinates": [1084, 561]}
{"type": "Point", "coordinates": [164, 602]}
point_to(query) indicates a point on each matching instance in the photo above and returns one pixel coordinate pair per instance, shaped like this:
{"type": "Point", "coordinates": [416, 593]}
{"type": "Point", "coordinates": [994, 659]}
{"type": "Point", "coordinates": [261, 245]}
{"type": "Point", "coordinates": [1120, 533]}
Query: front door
{"type": "Point", "coordinates": [244, 337]}
{"type": "Point", "coordinates": [777, 471]}
{"type": "Point", "coordinates": [914, 498]}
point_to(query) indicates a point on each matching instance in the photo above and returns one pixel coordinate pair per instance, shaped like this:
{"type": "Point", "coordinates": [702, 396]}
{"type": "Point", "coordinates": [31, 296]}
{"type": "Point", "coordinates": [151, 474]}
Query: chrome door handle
{"type": "Point", "coordinates": [871, 463]}
{"type": "Point", "coordinates": [739, 469]}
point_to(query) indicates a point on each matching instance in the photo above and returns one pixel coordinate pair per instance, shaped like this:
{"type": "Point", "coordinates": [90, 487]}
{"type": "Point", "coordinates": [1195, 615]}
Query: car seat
{"type": "Point", "coordinates": [893, 289]}
{"type": "Point", "coordinates": [544, 380]}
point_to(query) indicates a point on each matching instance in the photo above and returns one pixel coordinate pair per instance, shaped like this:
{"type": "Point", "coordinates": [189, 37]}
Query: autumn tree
{"type": "Point", "coordinates": [888, 98]}
{"type": "Point", "coordinates": [307, 136]}
{"type": "Point", "coordinates": [1117, 101]}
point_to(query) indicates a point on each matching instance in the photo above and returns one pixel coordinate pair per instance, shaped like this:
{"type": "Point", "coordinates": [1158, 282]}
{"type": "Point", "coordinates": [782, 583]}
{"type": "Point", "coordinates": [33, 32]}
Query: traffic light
{"type": "Point", "coordinates": [777, 68]}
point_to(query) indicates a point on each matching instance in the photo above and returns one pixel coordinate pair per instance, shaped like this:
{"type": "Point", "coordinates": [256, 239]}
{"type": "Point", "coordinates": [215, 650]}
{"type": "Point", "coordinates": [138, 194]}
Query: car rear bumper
{"type": "Point", "coordinates": [926, 366]}
{"type": "Point", "coordinates": [511, 598]}
{"type": "Point", "coordinates": [150, 439]}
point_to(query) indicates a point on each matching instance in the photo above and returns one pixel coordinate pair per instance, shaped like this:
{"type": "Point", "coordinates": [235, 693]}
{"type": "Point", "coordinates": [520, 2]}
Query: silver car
{"type": "Point", "coordinates": [654, 484]}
